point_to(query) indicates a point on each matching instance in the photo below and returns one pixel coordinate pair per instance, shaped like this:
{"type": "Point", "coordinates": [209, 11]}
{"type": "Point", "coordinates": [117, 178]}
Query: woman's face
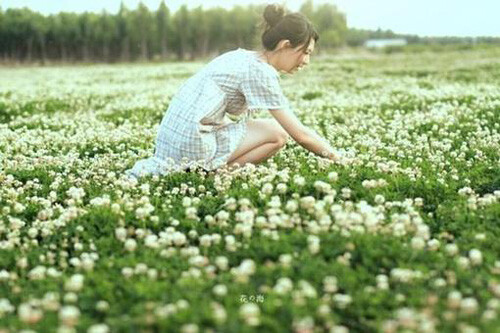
{"type": "Point", "coordinates": [295, 58]}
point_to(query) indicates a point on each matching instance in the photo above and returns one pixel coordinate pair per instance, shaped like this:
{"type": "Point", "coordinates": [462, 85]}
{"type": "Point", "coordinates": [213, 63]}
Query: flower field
{"type": "Point", "coordinates": [401, 237]}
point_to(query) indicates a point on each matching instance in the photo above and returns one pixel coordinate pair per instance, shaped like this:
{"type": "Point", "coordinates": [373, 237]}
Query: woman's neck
{"type": "Point", "coordinates": [269, 57]}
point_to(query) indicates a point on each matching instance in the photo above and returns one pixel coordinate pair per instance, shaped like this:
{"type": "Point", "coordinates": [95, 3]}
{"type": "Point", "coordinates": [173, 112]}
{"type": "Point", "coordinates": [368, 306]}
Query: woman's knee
{"type": "Point", "coordinates": [281, 137]}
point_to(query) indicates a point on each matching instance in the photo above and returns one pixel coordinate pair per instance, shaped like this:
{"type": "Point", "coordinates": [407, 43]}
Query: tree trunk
{"type": "Point", "coordinates": [182, 48]}
{"type": "Point", "coordinates": [204, 48]}
{"type": "Point", "coordinates": [144, 49]}
{"type": "Point", "coordinates": [105, 52]}
{"type": "Point", "coordinates": [43, 49]}
{"type": "Point", "coordinates": [64, 54]}
{"type": "Point", "coordinates": [125, 56]}
{"type": "Point", "coordinates": [85, 51]}
{"type": "Point", "coordinates": [164, 50]}
{"type": "Point", "coordinates": [29, 49]}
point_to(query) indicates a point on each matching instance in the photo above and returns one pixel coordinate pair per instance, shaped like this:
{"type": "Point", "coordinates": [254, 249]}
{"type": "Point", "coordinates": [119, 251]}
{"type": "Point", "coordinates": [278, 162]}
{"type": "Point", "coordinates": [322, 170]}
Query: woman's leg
{"type": "Point", "coordinates": [263, 139]}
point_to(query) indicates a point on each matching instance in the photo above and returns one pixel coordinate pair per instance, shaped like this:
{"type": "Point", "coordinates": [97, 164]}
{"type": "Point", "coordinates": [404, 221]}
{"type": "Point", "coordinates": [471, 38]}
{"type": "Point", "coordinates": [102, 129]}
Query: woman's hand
{"type": "Point", "coordinates": [337, 157]}
{"type": "Point", "coordinates": [303, 135]}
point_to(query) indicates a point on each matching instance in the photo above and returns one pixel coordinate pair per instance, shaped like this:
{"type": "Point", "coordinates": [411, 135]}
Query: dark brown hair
{"type": "Point", "coordinates": [278, 26]}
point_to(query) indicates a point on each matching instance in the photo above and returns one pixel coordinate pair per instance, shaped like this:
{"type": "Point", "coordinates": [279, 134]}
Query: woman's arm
{"type": "Point", "coordinates": [303, 135]}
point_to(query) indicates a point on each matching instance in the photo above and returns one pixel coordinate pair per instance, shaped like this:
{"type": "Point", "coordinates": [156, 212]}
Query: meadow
{"type": "Point", "coordinates": [401, 237]}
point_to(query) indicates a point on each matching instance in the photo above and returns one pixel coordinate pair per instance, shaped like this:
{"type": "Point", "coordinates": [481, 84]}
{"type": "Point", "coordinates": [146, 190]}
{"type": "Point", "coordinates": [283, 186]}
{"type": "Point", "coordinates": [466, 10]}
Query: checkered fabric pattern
{"type": "Point", "coordinates": [198, 128]}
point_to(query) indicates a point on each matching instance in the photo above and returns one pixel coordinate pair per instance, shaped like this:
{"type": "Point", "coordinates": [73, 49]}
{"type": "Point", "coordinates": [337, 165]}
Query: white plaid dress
{"type": "Point", "coordinates": [198, 128]}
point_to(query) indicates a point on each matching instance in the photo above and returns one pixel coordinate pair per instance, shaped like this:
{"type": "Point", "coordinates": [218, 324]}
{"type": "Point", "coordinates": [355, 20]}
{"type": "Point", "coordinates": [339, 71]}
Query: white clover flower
{"type": "Point", "coordinates": [303, 324]}
{"type": "Point", "coordinates": [439, 283]}
{"type": "Point", "coordinates": [283, 286]}
{"type": "Point", "coordinates": [140, 268]}
{"type": "Point", "coordinates": [313, 244]}
{"type": "Point", "coordinates": [299, 180]}
{"type": "Point", "coordinates": [291, 206]}
{"type": "Point", "coordinates": [29, 314]}
{"type": "Point", "coordinates": [330, 284]}
{"type": "Point", "coordinates": [205, 240]}
{"type": "Point", "coordinates": [5, 307]}
{"type": "Point", "coordinates": [476, 257]}
{"type": "Point", "coordinates": [222, 216]}
{"type": "Point", "coordinates": [191, 213]}
{"type": "Point", "coordinates": [247, 267]}
{"type": "Point", "coordinates": [98, 328]}
{"type": "Point", "coordinates": [433, 244]}
{"type": "Point", "coordinates": [222, 262]}
{"type": "Point", "coordinates": [333, 176]}
{"type": "Point", "coordinates": [69, 315]}
{"type": "Point", "coordinates": [102, 306]}
{"type": "Point", "coordinates": [189, 328]}
{"type": "Point", "coordinates": [379, 199]}
{"type": "Point", "coordinates": [121, 233]}
{"type": "Point", "coordinates": [218, 312]}
{"type": "Point", "coordinates": [127, 272]}
{"type": "Point", "coordinates": [186, 202]}
{"type": "Point", "coordinates": [179, 238]}
{"type": "Point", "coordinates": [307, 289]}
{"type": "Point", "coordinates": [281, 188]}
{"type": "Point", "coordinates": [454, 299]}
{"type": "Point", "coordinates": [417, 243]}
{"type": "Point", "coordinates": [285, 259]}
{"type": "Point", "coordinates": [463, 262]}
{"type": "Point", "coordinates": [250, 313]}
{"type": "Point", "coordinates": [75, 283]}
{"type": "Point", "coordinates": [489, 315]}
{"type": "Point", "coordinates": [230, 243]}
{"type": "Point", "coordinates": [70, 297]}
{"type": "Point", "coordinates": [220, 290]}
{"type": "Point", "coordinates": [267, 189]}
{"type": "Point", "coordinates": [324, 310]}
{"type": "Point", "coordinates": [75, 193]}
{"type": "Point", "coordinates": [342, 300]}
{"type": "Point", "coordinates": [151, 241]}
{"type": "Point", "coordinates": [346, 192]}
{"type": "Point", "coordinates": [307, 202]}
{"type": "Point", "coordinates": [130, 244]}
{"type": "Point", "coordinates": [339, 329]}
{"type": "Point", "coordinates": [451, 249]}
{"type": "Point", "coordinates": [469, 305]}
{"type": "Point", "coordinates": [322, 187]}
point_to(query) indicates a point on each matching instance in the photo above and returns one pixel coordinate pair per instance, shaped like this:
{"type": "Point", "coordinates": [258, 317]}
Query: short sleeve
{"type": "Point", "coordinates": [262, 90]}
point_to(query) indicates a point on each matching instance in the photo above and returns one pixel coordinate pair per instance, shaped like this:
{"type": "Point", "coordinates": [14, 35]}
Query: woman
{"type": "Point", "coordinates": [197, 131]}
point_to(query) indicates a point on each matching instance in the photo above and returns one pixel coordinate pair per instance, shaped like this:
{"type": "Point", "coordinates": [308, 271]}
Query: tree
{"type": "Point", "coordinates": [2, 35]}
{"type": "Point", "coordinates": [163, 28]}
{"type": "Point", "coordinates": [104, 34]}
{"type": "Point", "coordinates": [142, 20]}
{"type": "Point", "coordinates": [331, 25]}
{"type": "Point", "coordinates": [199, 36]}
{"type": "Point", "coordinates": [182, 31]}
{"type": "Point", "coordinates": [39, 29]}
{"type": "Point", "coordinates": [142, 34]}
{"type": "Point", "coordinates": [123, 30]}
{"type": "Point", "coordinates": [307, 9]}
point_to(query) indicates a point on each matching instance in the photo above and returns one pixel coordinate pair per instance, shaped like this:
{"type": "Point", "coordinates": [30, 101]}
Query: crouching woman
{"type": "Point", "coordinates": [197, 130]}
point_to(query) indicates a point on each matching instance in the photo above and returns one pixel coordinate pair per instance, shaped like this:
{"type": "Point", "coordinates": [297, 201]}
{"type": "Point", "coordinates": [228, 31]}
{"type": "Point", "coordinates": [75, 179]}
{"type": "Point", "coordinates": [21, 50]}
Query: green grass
{"type": "Point", "coordinates": [427, 123]}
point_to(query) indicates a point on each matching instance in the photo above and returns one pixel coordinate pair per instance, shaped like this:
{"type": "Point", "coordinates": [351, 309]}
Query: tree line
{"type": "Point", "coordinates": [143, 34]}
{"type": "Point", "coordinates": [357, 37]}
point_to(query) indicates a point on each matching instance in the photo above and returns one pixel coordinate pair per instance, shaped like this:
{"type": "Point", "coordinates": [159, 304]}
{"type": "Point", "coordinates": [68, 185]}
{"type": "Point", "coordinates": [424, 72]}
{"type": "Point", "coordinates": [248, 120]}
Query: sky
{"type": "Point", "coordinates": [419, 17]}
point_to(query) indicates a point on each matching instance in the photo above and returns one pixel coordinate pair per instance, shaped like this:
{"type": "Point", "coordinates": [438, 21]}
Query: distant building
{"type": "Point", "coordinates": [379, 43]}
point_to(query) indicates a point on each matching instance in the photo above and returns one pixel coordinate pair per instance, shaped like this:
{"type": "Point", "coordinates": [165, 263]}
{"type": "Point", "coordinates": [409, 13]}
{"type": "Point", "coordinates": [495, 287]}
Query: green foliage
{"type": "Point", "coordinates": [415, 112]}
{"type": "Point", "coordinates": [141, 34]}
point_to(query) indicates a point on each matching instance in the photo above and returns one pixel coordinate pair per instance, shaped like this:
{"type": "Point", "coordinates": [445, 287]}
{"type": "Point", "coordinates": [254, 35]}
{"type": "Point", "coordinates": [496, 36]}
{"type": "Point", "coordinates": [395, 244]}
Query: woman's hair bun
{"type": "Point", "coordinates": [273, 14]}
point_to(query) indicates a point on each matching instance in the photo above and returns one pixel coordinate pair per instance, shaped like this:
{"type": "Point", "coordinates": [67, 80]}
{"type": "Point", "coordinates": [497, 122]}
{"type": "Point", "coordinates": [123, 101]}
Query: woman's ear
{"type": "Point", "coordinates": [283, 44]}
